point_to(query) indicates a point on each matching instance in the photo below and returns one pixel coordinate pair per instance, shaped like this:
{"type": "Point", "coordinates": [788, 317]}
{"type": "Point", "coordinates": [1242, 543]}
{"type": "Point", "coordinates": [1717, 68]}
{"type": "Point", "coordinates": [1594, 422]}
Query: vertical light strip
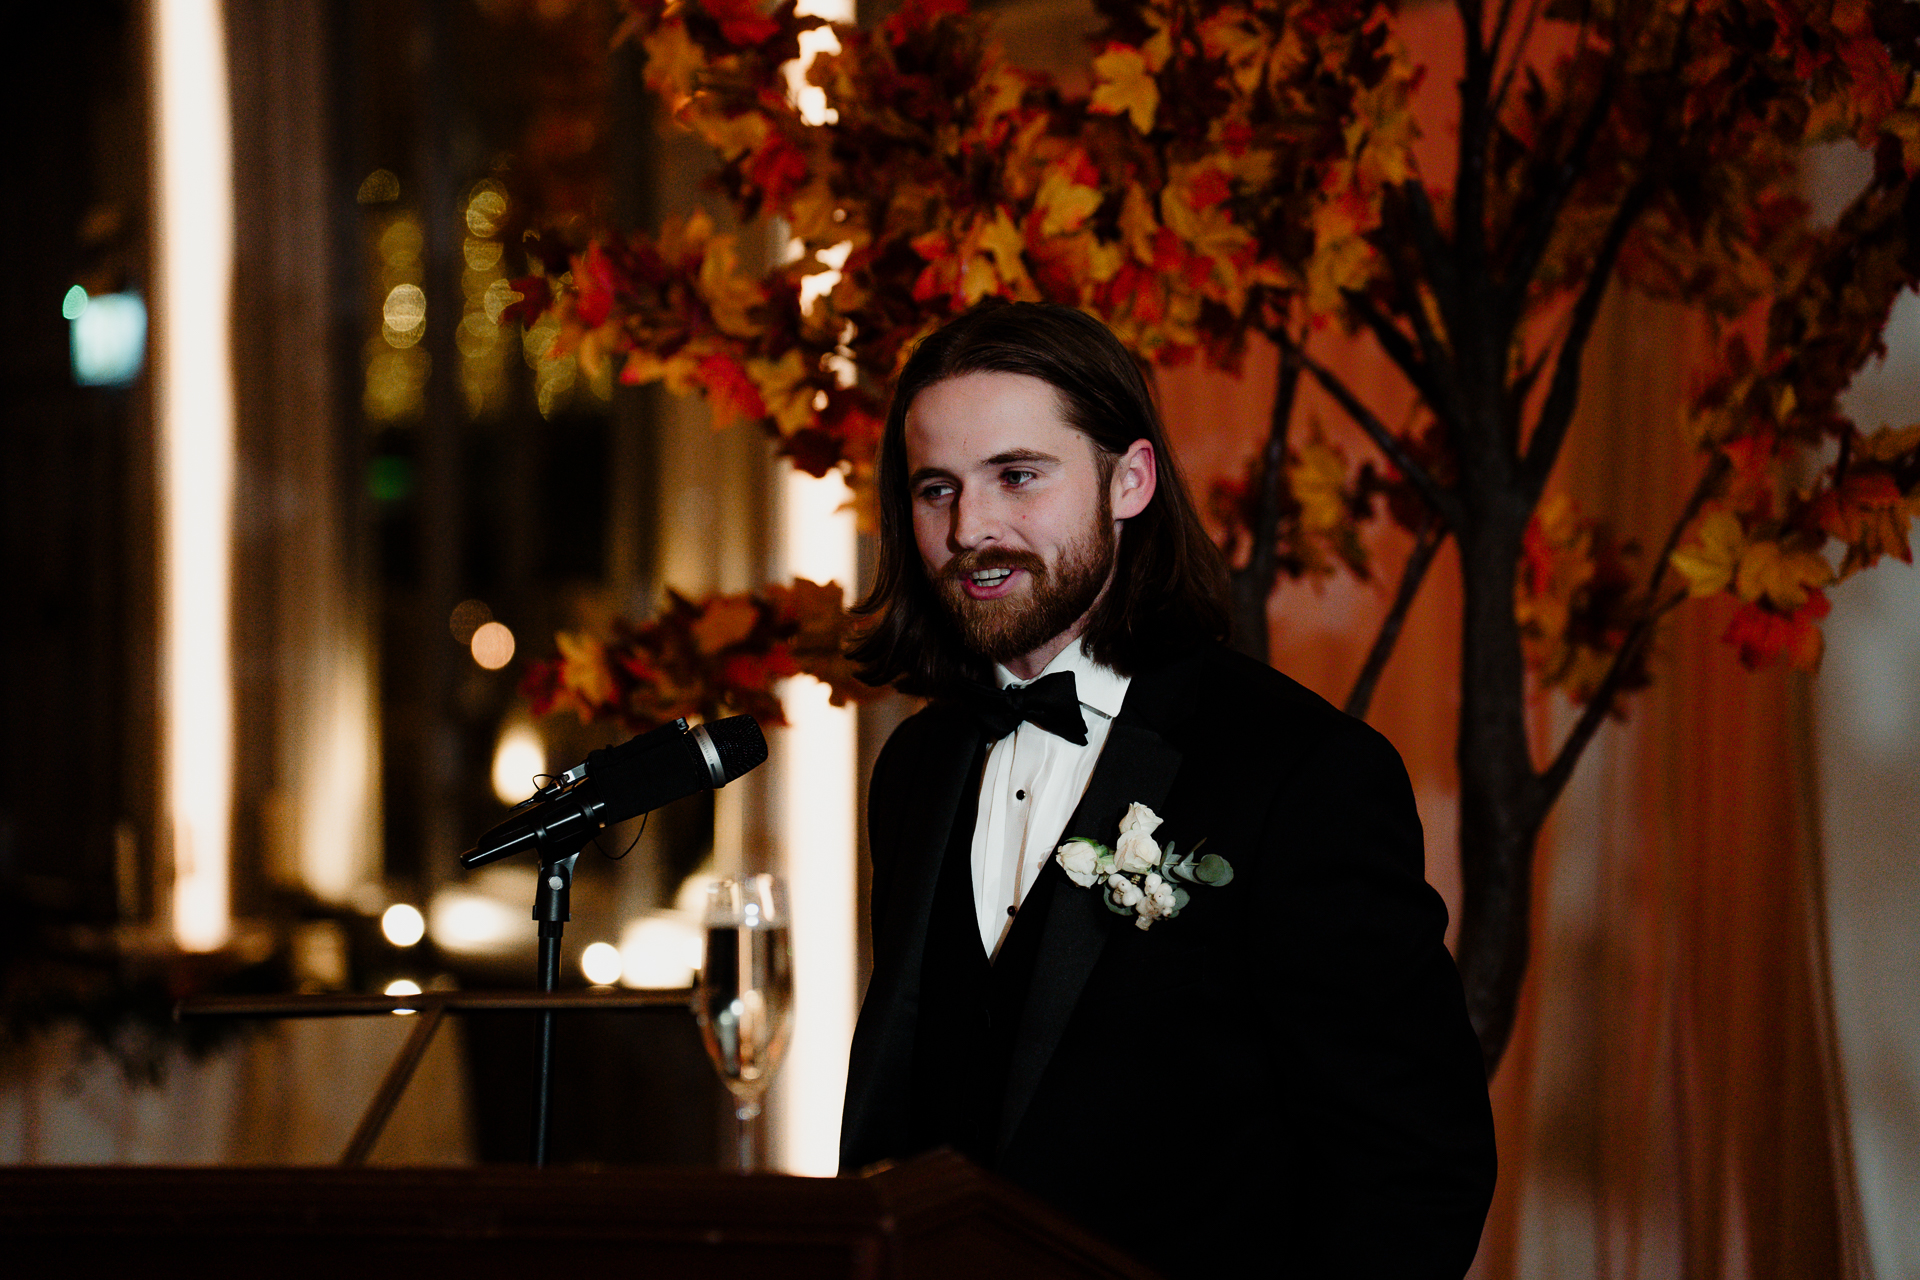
{"type": "Point", "coordinates": [193, 406]}
{"type": "Point", "coordinates": [817, 802]}
{"type": "Point", "coordinates": [817, 790]}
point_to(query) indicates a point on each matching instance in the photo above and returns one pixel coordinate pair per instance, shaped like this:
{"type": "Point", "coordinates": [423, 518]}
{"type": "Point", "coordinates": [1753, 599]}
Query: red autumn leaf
{"type": "Point", "coordinates": [777, 168]}
{"type": "Point", "coordinates": [593, 284]}
{"type": "Point", "coordinates": [1208, 189]}
{"type": "Point", "coordinates": [536, 296]}
{"type": "Point", "coordinates": [731, 394]}
{"type": "Point", "coordinates": [916, 16]}
{"type": "Point", "coordinates": [740, 21]}
{"type": "Point", "coordinates": [1766, 635]}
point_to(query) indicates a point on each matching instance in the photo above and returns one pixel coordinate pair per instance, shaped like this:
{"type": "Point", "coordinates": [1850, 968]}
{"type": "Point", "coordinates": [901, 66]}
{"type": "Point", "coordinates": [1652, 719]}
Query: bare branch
{"type": "Point", "coordinates": [1556, 415]}
{"type": "Point", "coordinates": [1519, 47]}
{"type": "Point", "coordinates": [1539, 214]}
{"type": "Point", "coordinates": [1443, 501]}
{"type": "Point", "coordinates": [1598, 707]}
{"type": "Point", "coordinates": [1398, 348]}
{"type": "Point", "coordinates": [1253, 584]}
{"type": "Point", "coordinates": [1385, 640]}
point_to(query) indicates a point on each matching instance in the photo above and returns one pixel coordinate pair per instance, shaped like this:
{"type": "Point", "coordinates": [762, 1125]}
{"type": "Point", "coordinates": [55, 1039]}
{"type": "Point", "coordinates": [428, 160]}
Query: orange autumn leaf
{"type": "Point", "coordinates": [726, 621]}
{"type": "Point", "coordinates": [1126, 87]}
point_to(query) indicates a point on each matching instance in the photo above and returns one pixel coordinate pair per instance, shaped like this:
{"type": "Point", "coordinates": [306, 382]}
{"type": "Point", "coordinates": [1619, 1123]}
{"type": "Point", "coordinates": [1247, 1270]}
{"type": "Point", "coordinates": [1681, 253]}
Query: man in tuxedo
{"type": "Point", "coordinates": [1278, 1078]}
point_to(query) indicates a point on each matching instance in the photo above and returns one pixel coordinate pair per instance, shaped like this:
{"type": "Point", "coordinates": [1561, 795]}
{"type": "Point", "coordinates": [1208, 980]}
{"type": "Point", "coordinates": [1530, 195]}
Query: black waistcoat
{"type": "Point", "coordinates": [969, 1007]}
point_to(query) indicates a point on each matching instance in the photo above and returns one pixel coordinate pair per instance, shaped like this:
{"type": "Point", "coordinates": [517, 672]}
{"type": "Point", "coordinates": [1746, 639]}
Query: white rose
{"type": "Point", "coordinates": [1139, 818]}
{"type": "Point", "coordinates": [1080, 859]}
{"type": "Point", "coordinates": [1125, 892]}
{"type": "Point", "coordinates": [1136, 851]}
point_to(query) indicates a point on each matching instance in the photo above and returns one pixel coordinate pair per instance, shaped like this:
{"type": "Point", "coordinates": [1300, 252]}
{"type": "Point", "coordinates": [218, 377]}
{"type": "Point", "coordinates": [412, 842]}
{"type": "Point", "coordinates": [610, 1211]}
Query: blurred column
{"type": "Point", "coordinates": [193, 400]}
{"type": "Point", "coordinates": [818, 793]}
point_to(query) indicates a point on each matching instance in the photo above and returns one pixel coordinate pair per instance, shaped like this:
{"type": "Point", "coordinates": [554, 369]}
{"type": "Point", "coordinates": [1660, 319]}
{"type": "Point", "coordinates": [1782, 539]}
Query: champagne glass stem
{"type": "Point", "coordinates": [745, 1155]}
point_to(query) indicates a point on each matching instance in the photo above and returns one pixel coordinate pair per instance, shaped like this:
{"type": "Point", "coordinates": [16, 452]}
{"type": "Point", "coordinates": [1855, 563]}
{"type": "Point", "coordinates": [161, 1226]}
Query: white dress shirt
{"type": "Point", "coordinates": [1032, 783]}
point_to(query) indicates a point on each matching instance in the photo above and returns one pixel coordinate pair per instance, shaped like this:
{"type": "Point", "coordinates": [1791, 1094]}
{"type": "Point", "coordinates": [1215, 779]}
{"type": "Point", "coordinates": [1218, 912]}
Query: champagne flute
{"type": "Point", "coordinates": [744, 999]}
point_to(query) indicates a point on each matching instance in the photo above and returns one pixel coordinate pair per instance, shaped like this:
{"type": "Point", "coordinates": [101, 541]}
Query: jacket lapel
{"type": "Point", "coordinates": [880, 1062]}
{"type": "Point", "coordinates": [1136, 764]}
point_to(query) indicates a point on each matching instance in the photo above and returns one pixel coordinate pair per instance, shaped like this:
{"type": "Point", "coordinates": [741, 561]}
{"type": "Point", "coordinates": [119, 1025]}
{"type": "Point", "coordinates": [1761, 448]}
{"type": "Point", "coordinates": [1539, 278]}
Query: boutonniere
{"type": "Point", "coordinates": [1137, 877]}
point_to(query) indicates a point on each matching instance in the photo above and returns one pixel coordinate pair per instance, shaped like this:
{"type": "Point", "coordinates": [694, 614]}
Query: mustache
{"type": "Point", "coordinates": [967, 563]}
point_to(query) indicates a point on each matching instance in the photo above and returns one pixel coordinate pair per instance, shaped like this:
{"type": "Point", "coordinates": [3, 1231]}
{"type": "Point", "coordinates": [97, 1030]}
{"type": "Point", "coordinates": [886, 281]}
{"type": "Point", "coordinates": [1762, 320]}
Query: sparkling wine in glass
{"type": "Point", "coordinates": [744, 999]}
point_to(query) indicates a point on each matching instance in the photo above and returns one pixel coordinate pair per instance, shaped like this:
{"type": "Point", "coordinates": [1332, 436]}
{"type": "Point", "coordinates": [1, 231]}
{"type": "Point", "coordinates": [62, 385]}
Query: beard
{"type": "Point", "coordinates": [1059, 596]}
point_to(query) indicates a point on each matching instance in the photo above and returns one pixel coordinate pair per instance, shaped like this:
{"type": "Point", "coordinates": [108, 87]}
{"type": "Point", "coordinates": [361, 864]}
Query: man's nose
{"type": "Point", "coordinates": [976, 521]}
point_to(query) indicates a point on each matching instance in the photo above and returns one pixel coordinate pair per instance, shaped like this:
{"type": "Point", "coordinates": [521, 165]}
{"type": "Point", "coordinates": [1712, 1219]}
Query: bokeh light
{"type": "Point", "coordinates": [492, 645]}
{"type": "Point", "coordinates": [660, 951]}
{"type": "Point", "coordinates": [379, 187]}
{"type": "Point", "coordinates": [468, 617]}
{"type": "Point", "coordinates": [518, 757]}
{"type": "Point", "coordinates": [403, 924]}
{"type": "Point", "coordinates": [601, 963]}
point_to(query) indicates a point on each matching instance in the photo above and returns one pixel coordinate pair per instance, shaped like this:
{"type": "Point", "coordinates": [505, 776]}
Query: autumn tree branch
{"type": "Point", "coordinates": [1418, 369]}
{"type": "Point", "coordinates": [1254, 583]}
{"type": "Point", "coordinates": [1600, 705]}
{"type": "Point", "coordinates": [1384, 641]}
{"type": "Point", "coordinates": [1444, 502]}
{"type": "Point", "coordinates": [1538, 212]}
{"type": "Point", "coordinates": [1556, 415]}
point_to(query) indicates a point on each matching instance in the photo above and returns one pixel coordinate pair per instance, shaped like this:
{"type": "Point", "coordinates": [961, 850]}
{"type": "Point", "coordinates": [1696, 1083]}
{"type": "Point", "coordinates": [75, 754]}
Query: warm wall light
{"type": "Point", "coordinates": [193, 406]}
{"type": "Point", "coordinates": [817, 800]}
{"type": "Point", "coordinates": [817, 793]}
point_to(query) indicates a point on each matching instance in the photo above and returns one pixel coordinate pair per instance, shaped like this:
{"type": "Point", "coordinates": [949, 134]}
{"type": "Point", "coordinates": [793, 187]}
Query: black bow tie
{"type": "Point", "coordinates": [1049, 702]}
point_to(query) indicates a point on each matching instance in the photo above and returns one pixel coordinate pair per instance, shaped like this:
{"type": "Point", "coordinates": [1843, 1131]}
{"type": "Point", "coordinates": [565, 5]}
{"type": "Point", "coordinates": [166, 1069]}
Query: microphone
{"type": "Point", "coordinates": [617, 783]}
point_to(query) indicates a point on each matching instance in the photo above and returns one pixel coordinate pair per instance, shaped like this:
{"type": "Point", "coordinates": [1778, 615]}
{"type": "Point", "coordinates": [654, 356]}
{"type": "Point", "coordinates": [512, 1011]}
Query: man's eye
{"type": "Point", "coordinates": [934, 492]}
{"type": "Point", "coordinates": [1017, 477]}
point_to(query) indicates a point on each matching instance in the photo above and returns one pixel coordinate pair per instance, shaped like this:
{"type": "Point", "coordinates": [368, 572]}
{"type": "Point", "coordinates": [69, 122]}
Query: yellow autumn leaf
{"type": "Point", "coordinates": [727, 620]}
{"type": "Point", "coordinates": [732, 136]}
{"type": "Point", "coordinates": [784, 388]}
{"type": "Point", "coordinates": [673, 62]}
{"type": "Point", "coordinates": [1138, 223]}
{"type": "Point", "coordinates": [1126, 87]}
{"type": "Point", "coordinates": [1709, 562]}
{"type": "Point", "coordinates": [730, 295]}
{"type": "Point", "coordinates": [1889, 443]}
{"type": "Point", "coordinates": [1064, 203]}
{"type": "Point", "coordinates": [1159, 45]}
{"type": "Point", "coordinates": [583, 668]}
{"type": "Point", "coordinates": [1783, 577]}
{"type": "Point", "coordinates": [1001, 238]}
{"type": "Point", "coordinates": [1104, 259]}
{"type": "Point", "coordinates": [1001, 92]}
{"type": "Point", "coordinates": [1317, 476]}
{"type": "Point", "coordinates": [681, 239]}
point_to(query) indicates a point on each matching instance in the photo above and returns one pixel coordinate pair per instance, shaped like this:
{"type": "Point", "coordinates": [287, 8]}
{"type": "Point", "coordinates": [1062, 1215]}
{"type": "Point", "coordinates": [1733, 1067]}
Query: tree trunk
{"type": "Point", "coordinates": [1500, 815]}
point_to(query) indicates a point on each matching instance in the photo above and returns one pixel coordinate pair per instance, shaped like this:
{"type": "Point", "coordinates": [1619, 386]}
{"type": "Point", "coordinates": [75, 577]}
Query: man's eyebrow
{"type": "Point", "coordinates": [1020, 455]}
{"type": "Point", "coordinates": [928, 473]}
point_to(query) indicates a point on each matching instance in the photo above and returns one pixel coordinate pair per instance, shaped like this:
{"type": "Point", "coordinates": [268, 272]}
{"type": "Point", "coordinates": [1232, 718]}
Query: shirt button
{"type": "Point", "coordinates": [1019, 795]}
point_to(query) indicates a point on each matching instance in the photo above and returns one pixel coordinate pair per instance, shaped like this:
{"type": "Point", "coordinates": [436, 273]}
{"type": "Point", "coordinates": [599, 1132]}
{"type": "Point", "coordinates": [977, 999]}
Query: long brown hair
{"type": "Point", "coordinates": [1170, 583]}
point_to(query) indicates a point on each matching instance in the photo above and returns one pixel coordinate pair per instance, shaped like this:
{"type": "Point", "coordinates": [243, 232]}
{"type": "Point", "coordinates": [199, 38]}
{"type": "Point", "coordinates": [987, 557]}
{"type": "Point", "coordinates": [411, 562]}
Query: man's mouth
{"type": "Point", "coordinates": [991, 582]}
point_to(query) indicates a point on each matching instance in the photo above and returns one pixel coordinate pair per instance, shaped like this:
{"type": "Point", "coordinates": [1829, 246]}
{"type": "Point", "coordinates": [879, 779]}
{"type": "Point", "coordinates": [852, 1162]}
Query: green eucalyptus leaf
{"type": "Point", "coordinates": [1214, 870]}
{"type": "Point", "coordinates": [1180, 899]}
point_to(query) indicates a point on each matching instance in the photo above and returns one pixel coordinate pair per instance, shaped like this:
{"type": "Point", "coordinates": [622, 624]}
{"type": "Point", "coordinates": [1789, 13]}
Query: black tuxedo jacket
{"type": "Point", "coordinates": [1280, 1080]}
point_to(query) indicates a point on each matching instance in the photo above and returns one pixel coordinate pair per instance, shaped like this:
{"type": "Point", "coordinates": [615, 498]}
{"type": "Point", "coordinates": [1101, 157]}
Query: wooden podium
{"type": "Point", "coordinates": [934, 1218]}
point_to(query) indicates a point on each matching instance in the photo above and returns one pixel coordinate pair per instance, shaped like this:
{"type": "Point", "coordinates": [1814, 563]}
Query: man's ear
{"type": "Point", "coordinates": [1134, 478]}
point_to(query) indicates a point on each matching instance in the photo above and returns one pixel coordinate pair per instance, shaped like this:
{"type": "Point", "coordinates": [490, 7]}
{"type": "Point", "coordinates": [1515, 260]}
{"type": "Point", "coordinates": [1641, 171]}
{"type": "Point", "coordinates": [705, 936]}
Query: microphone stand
{"type": "Point", "coordinates": [551, 901]}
